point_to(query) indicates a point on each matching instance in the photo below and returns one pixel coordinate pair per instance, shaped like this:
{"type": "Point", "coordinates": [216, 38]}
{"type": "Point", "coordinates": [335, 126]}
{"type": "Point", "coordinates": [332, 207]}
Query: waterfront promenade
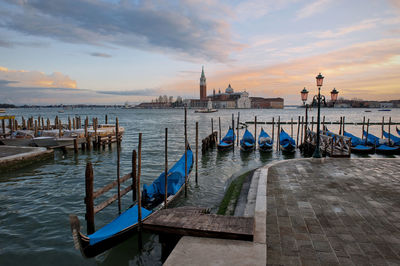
{"type": "Point", "coordinates": [316, 212]}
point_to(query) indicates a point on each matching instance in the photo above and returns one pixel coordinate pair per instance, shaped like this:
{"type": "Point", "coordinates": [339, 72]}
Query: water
{"type": "Point", "coordinates": [36, 201]}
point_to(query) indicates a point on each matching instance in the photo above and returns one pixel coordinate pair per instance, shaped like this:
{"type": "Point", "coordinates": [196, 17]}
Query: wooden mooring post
{"type": "Point", "coordinates": [383, 127]}
{"type": "Point", "coordinates": [233, 128]}
{"type": "Point", "coordinates": [273, 130]}
{"type": "Point", "coordinates": [89, 199]}
{"type": "Point", "coordinates": [301, 130]}
{"type": "Point", "coordinates": [139, 196]}
{"type": "Point", "coordinates": [166, 169]}
{"type": "Point", "coordinates": [344, 123]}
{"type": "Point", "coordinates": [278, 133]}
{"type": "Point", "coordinates": [255, 131]}
{"type": "Point", "coordinates": [390, 121]}
{"type": "Point", "coordinates": [298, 131]}
{"type": "Point", "coordinates": [212, 125]}
{"type": "Point", "coordinates": [219, 125]}
{"type": "Point", "coordinates": [362, 132]}
{"type": "Point", "coordinates": [237, 129]}
{"type": "Point", "coordinates": [291, 127]}
{"type": "Point", "coordinates": [366, 137]}
{"type": "Point", "coordinates": [186, 177]}
{"type": "Point", "coordinates": [133, 174]}
{"type": "Point", "coordinates": [118, 163]}
{"type": "Point", "coordinates": [197, 149]}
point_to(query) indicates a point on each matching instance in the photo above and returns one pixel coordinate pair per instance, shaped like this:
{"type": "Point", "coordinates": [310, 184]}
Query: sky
{"type": "Point", "coordinates": [112, 52]}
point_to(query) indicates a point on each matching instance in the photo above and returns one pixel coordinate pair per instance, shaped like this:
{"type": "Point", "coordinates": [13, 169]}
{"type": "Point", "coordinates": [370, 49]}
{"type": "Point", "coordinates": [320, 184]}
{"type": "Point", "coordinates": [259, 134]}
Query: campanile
{"type": "Point", "coordinates": [203, 86]}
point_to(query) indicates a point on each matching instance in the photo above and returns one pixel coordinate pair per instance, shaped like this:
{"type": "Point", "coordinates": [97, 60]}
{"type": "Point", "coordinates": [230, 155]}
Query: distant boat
{"type": "Point", "coordinates": [367, 111]}
{"type": "Point", "coordinates": [264, 141]}
{"type": "Point", "coordinates": [228, 141]}
{"type": "Point", "coordinates": [384, 110]}
{"type": "Point", "coordinates": [2, 110]}
{"type": "Point", "coordinates": [209, 108]}
{"type": "Point", "coordinates": [248, 142]}
{"type": "Point", "coordinates": [61, 111]}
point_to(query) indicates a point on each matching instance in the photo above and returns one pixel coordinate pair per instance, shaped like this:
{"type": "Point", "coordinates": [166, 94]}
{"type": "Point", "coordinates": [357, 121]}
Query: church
{"type": "Point", "coordinates": [229, 99]}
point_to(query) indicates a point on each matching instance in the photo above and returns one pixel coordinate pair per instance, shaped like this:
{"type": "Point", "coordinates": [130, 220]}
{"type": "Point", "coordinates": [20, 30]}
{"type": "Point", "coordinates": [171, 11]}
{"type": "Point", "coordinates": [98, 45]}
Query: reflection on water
{"type": "Point", "coordinates": [37, 200]}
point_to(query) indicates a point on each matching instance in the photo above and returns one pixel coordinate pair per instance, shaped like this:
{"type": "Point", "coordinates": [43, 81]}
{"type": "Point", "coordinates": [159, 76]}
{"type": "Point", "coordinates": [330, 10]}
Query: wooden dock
{"type": "Point", "coordinates": [192, 221]}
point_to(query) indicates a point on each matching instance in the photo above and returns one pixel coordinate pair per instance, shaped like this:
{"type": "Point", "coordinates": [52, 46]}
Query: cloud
{"type": "Point", "coordinates": [25, 78]}
{"type": "Point", "coordinates": [145, 92]}
{"type": "Point", "coordinates": [312, 8]}
{"type": "Point", "coordinates": [34, 87]}
{"type": "Point", "coordinates": [190, 27]}
{"type": "Point", "coordinates": [371, 67]}
{"type": "Point", "coordinates": [362, 26]}
{"type": "Point", "coordinates": [100, 55]}
{"type": "Point", "coordinates": [258, 8]}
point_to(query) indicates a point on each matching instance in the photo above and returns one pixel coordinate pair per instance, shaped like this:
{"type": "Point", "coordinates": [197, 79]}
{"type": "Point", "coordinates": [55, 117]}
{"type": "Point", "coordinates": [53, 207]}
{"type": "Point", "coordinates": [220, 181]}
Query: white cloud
{"type": "Point", "coordinates": [24, 78]}
{"type": "Point", "coordinates": [312, 8]}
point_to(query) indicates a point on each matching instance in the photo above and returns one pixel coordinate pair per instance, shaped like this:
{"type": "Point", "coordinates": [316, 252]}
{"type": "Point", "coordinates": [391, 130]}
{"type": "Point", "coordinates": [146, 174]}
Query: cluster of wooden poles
{"type": "Point", "coordinates": [302, 124]}
{"type": "Point", "coordinates": [135, 175]}
{"type": "Point", "coordinates": [36, 125]}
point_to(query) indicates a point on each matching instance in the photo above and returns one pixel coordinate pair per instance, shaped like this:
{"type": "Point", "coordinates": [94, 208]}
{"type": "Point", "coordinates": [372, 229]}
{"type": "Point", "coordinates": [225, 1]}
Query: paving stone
{"type": "Point", "coordinates": [360, 260]}
{"type": "Point", "coordinates": [334, 212]}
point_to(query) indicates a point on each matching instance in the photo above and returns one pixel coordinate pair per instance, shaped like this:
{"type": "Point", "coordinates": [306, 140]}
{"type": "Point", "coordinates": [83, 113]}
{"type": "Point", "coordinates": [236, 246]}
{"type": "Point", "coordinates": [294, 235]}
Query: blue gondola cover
{"type": "Point", "coordinates": [393, 139]}
{"type": "Point", "coordinates": [247, 140]}
{"type": "Point", "coordinates": [125, 220]}
{"type": "Point", "coordinates": [176, 178]}
{"type": "Point", "coordinates": [229, 137]}
{"type": "Point", "coordinates": [285, 140]}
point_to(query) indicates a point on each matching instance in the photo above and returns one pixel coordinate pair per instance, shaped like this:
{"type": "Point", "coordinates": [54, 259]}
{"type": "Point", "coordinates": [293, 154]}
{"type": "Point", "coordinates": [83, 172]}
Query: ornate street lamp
{"type": "Point", "coordinates": [317, 100]}
{"type": "Point", "coordinates": [304, 95]}
{"type": "Point", "coordinates": [320, 80]}
{"type": "Point", "coordinates": [334, 95]}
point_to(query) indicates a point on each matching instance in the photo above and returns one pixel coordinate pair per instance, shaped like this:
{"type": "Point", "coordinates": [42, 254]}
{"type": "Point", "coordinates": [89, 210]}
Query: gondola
{"type": "Point", "coordinates": [264, 141]}
{"type": "Point", "coordinates": [393, 139]}
{"type": "Point", "coordinates": [228, 141]}
{"type": "Point", "coordinates": [357, 144]}
{"type": "Point", "coordinates": [398, 131]}
{"type": "Point", "coordinates": [247, 143]}
{"type": "Point", "coordinates": [125, 225]}
{"type": "Point", "coordinates": [286, 142]}
{"type": "Point", "coordinates": [381, 145]}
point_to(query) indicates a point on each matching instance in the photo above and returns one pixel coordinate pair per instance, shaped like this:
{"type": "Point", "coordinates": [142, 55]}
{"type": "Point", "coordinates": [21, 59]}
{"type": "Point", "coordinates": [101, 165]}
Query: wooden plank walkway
{"type": "Point", "coordinates": [192, 221]}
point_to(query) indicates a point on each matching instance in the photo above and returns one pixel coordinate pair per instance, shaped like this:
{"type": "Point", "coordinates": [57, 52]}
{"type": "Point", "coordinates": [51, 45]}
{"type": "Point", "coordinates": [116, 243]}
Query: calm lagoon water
{"type": "Point", "coordinates": [36, 201]}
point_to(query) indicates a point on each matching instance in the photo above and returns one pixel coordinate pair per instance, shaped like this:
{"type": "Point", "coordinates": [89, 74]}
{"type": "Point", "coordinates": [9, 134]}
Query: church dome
{"type": "Point", "coordinates": [229, 89]}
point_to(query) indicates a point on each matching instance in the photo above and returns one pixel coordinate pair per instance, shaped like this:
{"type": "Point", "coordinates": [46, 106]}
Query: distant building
{"type": "Point", "coordinates": [153, 105]}
{"type": "Point", "coordinates": [266, 103]}
{"type": "Point", "coordinates": [231, 99]}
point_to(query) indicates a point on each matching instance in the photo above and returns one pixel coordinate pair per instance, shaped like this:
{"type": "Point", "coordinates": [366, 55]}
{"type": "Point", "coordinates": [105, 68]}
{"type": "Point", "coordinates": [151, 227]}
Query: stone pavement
{"type": "Point", "coordinates": [334, 212]}
{"type": "Point", "coordinates": [313, 212]}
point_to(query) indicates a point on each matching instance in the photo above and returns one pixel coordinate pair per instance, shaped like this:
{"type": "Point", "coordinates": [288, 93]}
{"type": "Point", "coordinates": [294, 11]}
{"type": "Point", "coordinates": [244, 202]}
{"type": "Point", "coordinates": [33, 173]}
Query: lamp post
{"type": "Point", "coordinates": [334, 95]}
{"type": "Point", "coordinates": [317, 99]}
{"type": "Point", "coordinates": [320, 79]}
{"type": "Point", "coordinates": [304, 95]}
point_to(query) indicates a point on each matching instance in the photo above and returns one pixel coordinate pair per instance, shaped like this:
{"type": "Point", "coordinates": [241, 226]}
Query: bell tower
{"type": "Point", "coordinates": [203, 86]}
